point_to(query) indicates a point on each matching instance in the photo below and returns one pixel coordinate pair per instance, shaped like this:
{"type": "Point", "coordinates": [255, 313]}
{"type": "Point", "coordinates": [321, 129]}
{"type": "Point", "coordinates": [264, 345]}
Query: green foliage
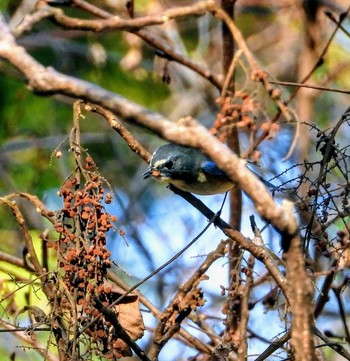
{"type": "Point", "coordinates": [27, 117]}
{"type": "Point", "coordinates": [4, 4]}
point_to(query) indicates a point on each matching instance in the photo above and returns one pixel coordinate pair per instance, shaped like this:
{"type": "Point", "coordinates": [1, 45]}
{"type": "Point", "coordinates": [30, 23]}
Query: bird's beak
{"type": "Point", "coordinates": [147, 174]}
{"type": "Point", "coordinates": [151, 173]}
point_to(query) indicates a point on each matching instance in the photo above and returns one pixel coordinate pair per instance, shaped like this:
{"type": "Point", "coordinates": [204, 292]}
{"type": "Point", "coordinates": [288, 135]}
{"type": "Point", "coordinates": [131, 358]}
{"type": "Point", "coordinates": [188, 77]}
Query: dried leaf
{"type": "Point", "coordinates": [130, 318]}
{"type": "Point", "coordinates": [128, 312]}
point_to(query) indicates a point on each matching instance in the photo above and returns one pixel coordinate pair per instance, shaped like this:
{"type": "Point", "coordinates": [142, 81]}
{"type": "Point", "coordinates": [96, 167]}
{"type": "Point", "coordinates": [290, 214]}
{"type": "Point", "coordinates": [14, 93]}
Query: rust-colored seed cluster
{"type": "Point", "coordinates": [236, 111]}
{"type": "Point", "coordinates": [243, 111]}
{"type": "Point", "coordinates": [82, 224]}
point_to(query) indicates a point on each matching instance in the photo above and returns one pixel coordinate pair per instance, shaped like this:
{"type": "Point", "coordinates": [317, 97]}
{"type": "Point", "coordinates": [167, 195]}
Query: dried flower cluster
{"type": "Point", "coordinates": [239, 110]}
{"type": "Point", "coordinates": [82, 224]}
{"type": "Point", "coordinates": [244, 111]}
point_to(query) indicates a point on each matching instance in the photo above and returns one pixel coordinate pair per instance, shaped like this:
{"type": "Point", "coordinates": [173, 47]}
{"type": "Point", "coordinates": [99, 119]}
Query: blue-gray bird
{"type": "Point", "coordinates": [190, 170]}
{"type": "Point", "coordinates": [187, 169]}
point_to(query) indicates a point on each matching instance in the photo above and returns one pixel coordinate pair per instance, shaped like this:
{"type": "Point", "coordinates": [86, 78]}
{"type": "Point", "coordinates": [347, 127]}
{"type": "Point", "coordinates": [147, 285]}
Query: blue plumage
{"type": "Point", "coordinates": [190, 170]}
{"type": "Point", "coordinates": [212, 169]}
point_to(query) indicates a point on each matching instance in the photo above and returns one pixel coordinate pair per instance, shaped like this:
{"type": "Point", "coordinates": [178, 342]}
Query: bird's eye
{"type": "Point", "coordinates": [169, 164]}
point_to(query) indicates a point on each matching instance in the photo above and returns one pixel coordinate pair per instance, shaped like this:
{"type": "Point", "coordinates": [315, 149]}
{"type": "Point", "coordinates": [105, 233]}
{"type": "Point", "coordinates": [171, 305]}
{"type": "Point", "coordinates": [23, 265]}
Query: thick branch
{"type": "Point", "coordinates": [115, 22]}
{"type": "Point", "coordinates": [133, 26]}
{"type": "Point", "coordinates": [300, 292]}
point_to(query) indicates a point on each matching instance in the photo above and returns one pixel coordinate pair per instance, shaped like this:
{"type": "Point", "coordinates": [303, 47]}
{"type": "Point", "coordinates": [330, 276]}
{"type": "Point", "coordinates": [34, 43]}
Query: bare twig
{"type": "Point", "coordinates": [132, 25]}
{"type": "Point", "coordinates": [133, 144]}
{"type": "Point", "coordinates": [320, 58]}
{"type": "Point", "coordinates": [19, 262]}
{"type": "Point", "coordinates": [30, 340]}
{"type": "Point", "coordinates": [343, 316]}
{"type": "Point", "coordinates": [275, 345]}
{"type": "Point", "coordinates": [12, 205]}
{"type": "Point", "coordinates": [111, 317]}
{"type": "Point", "coordinates": [173, 315]}
{"type": "Point", "coordinates": [310, 86]}
{"type": "Point", "coordinates": [117, 23]}
{"type": "Point", "coordinates": [323, 296]}
{"type": "Point", "coordinates": [195, 342]}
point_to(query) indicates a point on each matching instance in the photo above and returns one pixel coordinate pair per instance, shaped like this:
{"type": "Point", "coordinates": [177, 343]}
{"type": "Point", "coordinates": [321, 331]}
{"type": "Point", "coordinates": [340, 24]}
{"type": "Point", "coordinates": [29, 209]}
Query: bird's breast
{"type": "Point", "coordinates": [203, 185]}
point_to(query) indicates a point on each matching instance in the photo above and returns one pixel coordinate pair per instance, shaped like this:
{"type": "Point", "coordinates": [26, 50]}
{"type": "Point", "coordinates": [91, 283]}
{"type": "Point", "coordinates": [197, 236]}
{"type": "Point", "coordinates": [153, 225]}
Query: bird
{"type": "Point", "coordinates": [187, 169]}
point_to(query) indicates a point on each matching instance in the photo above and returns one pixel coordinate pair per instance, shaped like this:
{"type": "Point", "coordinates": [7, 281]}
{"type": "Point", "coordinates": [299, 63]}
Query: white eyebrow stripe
{"type": "Point", "coordinates": [159, 163]}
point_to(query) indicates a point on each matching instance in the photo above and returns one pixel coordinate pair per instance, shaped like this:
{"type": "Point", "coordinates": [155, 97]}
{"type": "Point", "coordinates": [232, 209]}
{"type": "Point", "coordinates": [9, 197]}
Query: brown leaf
{"type": "Point", "coordinates": [127, 311]}
{"type": "Point", "coordinates": [130, 318]}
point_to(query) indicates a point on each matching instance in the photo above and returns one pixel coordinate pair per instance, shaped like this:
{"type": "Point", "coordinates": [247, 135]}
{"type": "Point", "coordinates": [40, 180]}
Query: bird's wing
{"type": "Point", "coordinates": [209, 167]}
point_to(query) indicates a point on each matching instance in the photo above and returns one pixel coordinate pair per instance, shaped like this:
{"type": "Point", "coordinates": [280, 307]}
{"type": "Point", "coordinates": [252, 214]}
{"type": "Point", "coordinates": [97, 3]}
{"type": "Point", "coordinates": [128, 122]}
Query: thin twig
{"type": "Point", "coordinates": [30, 340]}
{"type": "Point", "coordinates": [310, 86]}
{"type": "Point", "coordinates": [166, 328]}
{"type": "Point", "coordinates": [133, 144]}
